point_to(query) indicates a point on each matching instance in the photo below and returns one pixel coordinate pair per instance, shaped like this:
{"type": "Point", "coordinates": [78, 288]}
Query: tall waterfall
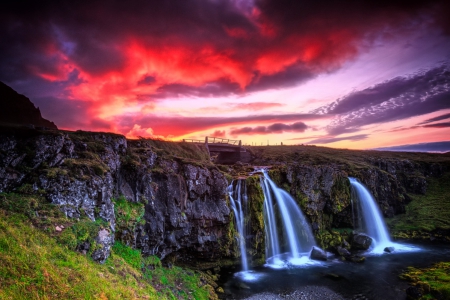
{"type": "Point", "coordinates": [372, 220]}
{"type": "Point", "coordinates": [238, 199]}
{"type": "Point", "coordinates": [288, 234]}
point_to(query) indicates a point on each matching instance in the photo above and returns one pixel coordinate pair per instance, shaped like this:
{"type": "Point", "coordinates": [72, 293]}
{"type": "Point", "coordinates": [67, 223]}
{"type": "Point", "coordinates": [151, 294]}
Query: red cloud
{"type": "Point", "coordinates": [218, 133]}
{"type": "Point", "coordinates": [127, 56]}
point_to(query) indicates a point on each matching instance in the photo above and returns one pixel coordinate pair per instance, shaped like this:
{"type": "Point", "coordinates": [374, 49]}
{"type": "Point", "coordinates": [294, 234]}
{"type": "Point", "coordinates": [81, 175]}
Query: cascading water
{"type": "Point", "coordinates": [298, 238]}
{"type": "Point", "coordinates": [372, 220]}
{"type": "Point", "coordinates": [238, 199]}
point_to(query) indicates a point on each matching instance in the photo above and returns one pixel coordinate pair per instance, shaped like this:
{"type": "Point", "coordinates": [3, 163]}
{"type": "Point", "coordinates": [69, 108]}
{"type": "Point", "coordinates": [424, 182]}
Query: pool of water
{"type": "Point", "coordinates": [376, 278]}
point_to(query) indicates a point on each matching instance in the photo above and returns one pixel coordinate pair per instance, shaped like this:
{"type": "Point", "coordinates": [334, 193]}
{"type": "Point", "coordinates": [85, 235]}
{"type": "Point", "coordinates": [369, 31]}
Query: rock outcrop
{"type": "Point", "coordinates": [19, 110]}
{"type": "Point", "coordinates": [186, 213]}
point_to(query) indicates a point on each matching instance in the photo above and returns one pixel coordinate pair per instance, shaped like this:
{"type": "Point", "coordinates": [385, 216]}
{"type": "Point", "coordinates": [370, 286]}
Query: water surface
{"type": "Point", "coordinates": [376, 278]}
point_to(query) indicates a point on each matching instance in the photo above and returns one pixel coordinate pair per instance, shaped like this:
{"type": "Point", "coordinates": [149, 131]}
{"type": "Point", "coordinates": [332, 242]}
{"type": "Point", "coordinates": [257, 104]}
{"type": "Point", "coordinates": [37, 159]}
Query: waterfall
{"type": "Point", "coordinates": [238, 199]}
{"type": "Point", "coordinates": [295, 230]}
{"type": "Point", "coordinates": [372, 220]}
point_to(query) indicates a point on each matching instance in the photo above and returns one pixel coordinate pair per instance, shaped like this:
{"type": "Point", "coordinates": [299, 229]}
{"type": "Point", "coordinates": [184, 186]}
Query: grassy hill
{"type": "Point", "coordinates": [38, 260]}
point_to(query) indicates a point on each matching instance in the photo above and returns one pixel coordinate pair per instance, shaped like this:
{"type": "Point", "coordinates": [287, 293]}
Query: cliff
{"type": "Point", "coordinates": [317, 178]}
{"type": "Point", "coordinates": [182, 195]}
{"type": "Point", "coordinates": [18, 110]}
{"type": "Point", "coordinates": [168, 199]}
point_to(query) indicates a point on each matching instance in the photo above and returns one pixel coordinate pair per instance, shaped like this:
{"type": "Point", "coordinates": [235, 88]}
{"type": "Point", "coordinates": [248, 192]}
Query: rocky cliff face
{"type": "Point", "coordinates": [186, 212]}
{"type": "Point", "coordinates": [323, 190]}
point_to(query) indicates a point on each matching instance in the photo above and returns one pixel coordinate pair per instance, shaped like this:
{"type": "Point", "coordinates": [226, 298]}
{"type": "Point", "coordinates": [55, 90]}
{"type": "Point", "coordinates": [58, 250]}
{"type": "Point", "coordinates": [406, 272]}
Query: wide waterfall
{"type": "Point", "coordinates": [372, 221]}
{"type": "Point", "coordinates": [288, 234]}
{"type": "Point", "coordinates": [238, 199]}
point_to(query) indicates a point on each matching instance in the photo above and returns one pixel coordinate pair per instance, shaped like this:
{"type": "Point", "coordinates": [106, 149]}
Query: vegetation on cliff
{"type": "Point", "coordinates": [426, 215]}
{"type": "Point", "coordinates": [429, 283]}
{"type": "Point", "coordinates": [38, 259]}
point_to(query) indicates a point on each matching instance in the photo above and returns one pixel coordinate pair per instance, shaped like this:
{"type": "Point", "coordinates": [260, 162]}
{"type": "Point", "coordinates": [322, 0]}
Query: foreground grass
{"type": "Point", "coordinates": [34, 266]}
{"type": "Point", "coordinates": [427, 212]}
{"type": "Point", "coordinates": [37, 262]}
{"type": "Point", "coordinates": [433, 282]}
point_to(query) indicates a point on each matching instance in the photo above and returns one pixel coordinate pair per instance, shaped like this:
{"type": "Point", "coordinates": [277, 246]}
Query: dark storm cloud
{"type": "Point", "coordinates": [212, 89]}
{"type": "Point", "coordinates": [147, 80]}
{"type": "Point", "coordinates": [328, 140]}
{"type": "Point", "coordinates": [293, 75]}
{"type": "Point", "coordinates": [438, 118]}
{"type": "Point", "coordinates": [443, 146]}
{"type": "Point", "coordinates": [273, 128]}
{"type": "Point", "coordinates": [396, 99]}
{"type": "Point", "coordinates": [438, 125]}
{"type": "Point", "coordinates": [93, 35]}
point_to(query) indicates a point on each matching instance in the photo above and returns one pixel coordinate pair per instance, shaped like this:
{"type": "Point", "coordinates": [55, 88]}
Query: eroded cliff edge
{"type": "Point", "coordinates": [186, 215]}
{"type": "Point", "coordinates": [184, 195]}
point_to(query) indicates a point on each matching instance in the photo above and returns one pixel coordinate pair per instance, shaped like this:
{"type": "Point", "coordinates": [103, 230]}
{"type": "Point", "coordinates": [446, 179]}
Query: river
{"type": "Point", "coordinates": [376, 278]}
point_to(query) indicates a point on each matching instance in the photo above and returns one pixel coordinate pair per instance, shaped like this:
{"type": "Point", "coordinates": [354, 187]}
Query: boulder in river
{"type": "Point", "coordinates": [342, 251]}
{"type": "Point", "coordinates": [318, 254]}
{"type": "Point", "coordinates": [389, 249]}
{"type": "Point", "coordinates": [361, 241]}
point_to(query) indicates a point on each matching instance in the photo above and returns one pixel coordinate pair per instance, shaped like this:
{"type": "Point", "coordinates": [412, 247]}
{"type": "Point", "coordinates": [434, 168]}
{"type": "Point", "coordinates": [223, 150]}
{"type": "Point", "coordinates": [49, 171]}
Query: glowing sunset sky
{"type": "Point", "coordinates": [349, 74]}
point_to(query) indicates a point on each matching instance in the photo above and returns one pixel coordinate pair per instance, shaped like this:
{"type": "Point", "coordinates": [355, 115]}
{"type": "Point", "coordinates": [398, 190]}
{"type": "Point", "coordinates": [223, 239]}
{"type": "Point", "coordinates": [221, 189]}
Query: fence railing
{"type": "Point", "coordinates": [193, 141]}
{"type": "Point", "coordinates": [215, 140]}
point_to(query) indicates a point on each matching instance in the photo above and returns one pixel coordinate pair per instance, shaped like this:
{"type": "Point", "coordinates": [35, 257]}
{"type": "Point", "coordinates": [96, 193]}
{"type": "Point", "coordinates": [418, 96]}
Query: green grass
{"type": "Point", "coordinates": [427, 212]}
{"type": "Point", "coordinates": [128, 213]}
{"type": "Point", "coordinates": [434, 282]}
{"type": "Point", "coordinates": [324, 155]}
{"type": "Point", "coordinates": [180, 150]}
{"type": "Point", "coordinates": [128, 216]}
{"type": "Point", "coordinates": [34, 266]}
{"type": "Point", "coordinates": [37, 262]}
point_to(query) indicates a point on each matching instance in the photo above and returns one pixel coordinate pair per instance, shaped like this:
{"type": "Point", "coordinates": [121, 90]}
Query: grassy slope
{"type": "Point", "coordinates": [427, 212]}
{"type": "Point", "coordinates": [433, 282]}
{"type": "Point", "coordinates": [36, 262]}
{"type": "Point", "coordinates": [324, 155]}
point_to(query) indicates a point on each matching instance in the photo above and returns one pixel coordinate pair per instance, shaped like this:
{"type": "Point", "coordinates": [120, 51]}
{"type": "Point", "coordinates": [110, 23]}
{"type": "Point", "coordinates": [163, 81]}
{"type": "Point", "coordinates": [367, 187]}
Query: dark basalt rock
{"type": "Point", "coordinates": [414, 292]}
{"type": "Point", "coordinates": [343, 252]}
{"type": "Point", "coordinates": [19, 110]}
{"type": "Point", "coordinates": [318, 254]}
{"type": "Point", "coordinates": [389, 249]}
{"type": "Point", "coordinates": [361, 241]}
{"type": "Point", "coordinates": [104, 241]}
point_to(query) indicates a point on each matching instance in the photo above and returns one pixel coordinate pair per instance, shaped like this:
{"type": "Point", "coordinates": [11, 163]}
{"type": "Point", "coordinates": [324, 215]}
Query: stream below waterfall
{"type": "Point", "coordinates": [376, 278]}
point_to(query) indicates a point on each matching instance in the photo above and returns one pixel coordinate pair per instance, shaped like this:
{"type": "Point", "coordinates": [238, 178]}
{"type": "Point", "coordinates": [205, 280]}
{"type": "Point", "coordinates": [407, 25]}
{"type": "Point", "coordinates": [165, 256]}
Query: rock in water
{"type": "Point", "coordinates": [318, 254]}
{"type": "Point", "coordinates": [389, 249]}
{"type": "Point", "coordinates": [361, 241]}
{"type": "Point", "coordinates": [343, 252]}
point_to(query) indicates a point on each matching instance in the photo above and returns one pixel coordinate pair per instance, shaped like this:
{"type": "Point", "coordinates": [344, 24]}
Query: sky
{"type": "Point", "coordinates": [344, 74]}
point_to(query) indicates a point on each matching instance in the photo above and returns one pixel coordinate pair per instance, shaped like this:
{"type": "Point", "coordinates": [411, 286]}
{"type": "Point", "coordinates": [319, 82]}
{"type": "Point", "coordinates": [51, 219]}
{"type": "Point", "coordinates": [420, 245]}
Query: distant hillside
{"type": "Point", "coordinates": [18, 109]}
